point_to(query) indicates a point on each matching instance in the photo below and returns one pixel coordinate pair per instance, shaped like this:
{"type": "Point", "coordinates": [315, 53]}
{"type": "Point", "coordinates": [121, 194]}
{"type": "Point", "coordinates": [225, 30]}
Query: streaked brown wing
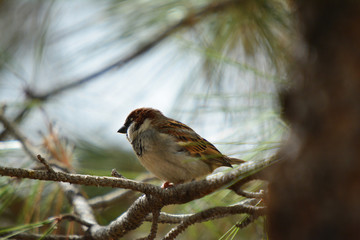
{"type": "Point", "coordinates": [194, 144]}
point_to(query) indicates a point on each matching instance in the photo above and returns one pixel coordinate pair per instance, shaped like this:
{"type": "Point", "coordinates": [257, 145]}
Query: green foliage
{"type": "Point", "coordinates": [25, 227]}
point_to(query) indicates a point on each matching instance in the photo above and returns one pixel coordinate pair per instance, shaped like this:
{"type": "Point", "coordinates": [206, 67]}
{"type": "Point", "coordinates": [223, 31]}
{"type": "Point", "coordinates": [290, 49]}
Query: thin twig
{"type": "Point", "coordinates": [114, 197]}
{"type": "Point", "coordinates": [248, 194]}
{"type": "Point", "coordinates": [78, 201]}
{"type": "Point", "coordinates": [213, 213]}
{"type": "Point", "coordinates": [130, 220]}
{"type": "Point", "coordinates": [45, 163]}
{"type": "Point", "coordinates": [155, 217]}
{"type": "Point", "coordinates": [249, 219]}
{"type": "Point", "coordinates": [74, 218]}
{"type": "Point", "coordinates": [111, 198]}
{"type": "Point", "coordinates": [179, 218]}
{"type": "Point", "coordinates": [115, 173]}
{"type": "Point", "coordinates": [154, 225]}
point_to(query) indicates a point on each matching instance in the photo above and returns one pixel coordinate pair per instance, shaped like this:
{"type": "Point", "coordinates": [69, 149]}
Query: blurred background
{"type": "Point", "coordinates": [65, 86]}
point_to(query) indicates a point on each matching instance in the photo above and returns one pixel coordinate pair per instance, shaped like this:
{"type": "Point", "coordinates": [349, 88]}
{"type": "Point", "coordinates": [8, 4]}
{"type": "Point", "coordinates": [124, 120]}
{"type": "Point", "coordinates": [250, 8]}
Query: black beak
{"type": "Point", "coordinates": [123, 129]}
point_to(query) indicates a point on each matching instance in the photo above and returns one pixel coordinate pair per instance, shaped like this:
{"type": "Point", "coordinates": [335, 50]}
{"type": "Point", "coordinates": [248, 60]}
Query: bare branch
{"type": "Point", "coordinates": [248, 194]}
{"type": "Point", "coordinates": [115, 173]}
{"type": "Point", "coordinates": [179, 194]}
{"type": "Point", "coordinates": [249, 219]}
{"type": "Point", "coordinates": [45, 163]}
{"type": "Point", "coordinates": [110, 199]}
{"type": "Point", "coordinates": [128, 221]}
{"type": "Point", "coordinates": [169, 218]}
{"type": "Point", "coordinates": [114, 197]}
{"type": "Point", "coordinates": [136, 214]}
{"type": "Point", "coordinates": [179, 218]}
{"type": "Point", "coordinates": [213, 213]}
{"type": "Point", "coordinates": [82, 179]}
{"type": "Point", "coordinates": [74, 218]}
{"type": "Point", "coordinates": [81, 206]}
{"type": "Point", "coordinates": [154, 225]}
{"type": "Point", "coordinates": [155, 217]}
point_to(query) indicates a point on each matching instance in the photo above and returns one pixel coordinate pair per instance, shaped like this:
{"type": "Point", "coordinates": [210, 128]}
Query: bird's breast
{"type": "Point", "coordinates": [159, 153]}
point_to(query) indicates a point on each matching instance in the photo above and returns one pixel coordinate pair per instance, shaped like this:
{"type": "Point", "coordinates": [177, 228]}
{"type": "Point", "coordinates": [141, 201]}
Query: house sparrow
{"type": "Point", "coordinates": [169, 149]}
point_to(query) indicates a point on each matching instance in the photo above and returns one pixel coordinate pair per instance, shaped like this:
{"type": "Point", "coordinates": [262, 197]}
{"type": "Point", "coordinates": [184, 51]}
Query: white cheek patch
{"type": "Point", "coordinates": [131, 133]}
{"type": "Point", "coordinates": [145, 126]}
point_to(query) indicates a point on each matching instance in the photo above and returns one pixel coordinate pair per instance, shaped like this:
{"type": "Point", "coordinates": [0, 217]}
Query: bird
{"type": "Point", "coordinates": [171, 150]}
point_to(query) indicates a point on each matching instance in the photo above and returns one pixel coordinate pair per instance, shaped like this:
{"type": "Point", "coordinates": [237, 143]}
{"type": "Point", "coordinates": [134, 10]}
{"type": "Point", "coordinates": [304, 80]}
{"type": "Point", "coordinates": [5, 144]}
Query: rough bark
{"type": "Point", "coordinates": [315, 193]}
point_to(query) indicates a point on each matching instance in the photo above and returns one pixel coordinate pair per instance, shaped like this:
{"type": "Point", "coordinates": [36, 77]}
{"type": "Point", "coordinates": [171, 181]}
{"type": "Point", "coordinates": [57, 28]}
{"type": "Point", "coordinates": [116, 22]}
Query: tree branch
{"type": "Point", "coordinates": [80, 204]}
{"type": "Point", "coordinates": [130, 220]}
{"type": "Point", "coordinates": [136, 214]}
{"type": "Point", "coordinates": [249, 219]}
{"type": "Point", "coordinates": [179, 218]}
{"type": "Point", "coordinates": [179, 194]}
{"type": "Point", "coordinates": [155, 210]}
{"type": "Point", "coordinates": [45, 163]}
{"type": "Point", "coordinates": [169, 218]}
{"type": "Point", "coordinates": [81, 179]}
{"type": "Point", "coordinates": [74, 218]}
{"type": "Point", "coordinates": [154, 225]}
{"type": "Point", "coordinates": [213, 213]}
{"type": "Point", "coordinates": [111, 198]}
{"type": "Point", "coordinates": [114, 197]}
{"type": "Point", "coordinates": [248, 194]}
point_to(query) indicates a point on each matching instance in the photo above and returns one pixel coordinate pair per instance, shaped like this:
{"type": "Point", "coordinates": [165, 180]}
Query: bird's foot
{"type": "Point", "coordinates": [167, 185]}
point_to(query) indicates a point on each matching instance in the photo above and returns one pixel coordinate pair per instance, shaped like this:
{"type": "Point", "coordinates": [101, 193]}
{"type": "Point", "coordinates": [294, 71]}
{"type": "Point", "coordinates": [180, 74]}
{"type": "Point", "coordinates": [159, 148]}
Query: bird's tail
{"type": "Point", "coordinates": [235, 160]}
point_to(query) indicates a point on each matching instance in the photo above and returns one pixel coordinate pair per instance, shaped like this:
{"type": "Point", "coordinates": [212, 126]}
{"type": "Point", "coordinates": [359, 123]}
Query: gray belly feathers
{"type": "Point", "coordinates": [162, 156]}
